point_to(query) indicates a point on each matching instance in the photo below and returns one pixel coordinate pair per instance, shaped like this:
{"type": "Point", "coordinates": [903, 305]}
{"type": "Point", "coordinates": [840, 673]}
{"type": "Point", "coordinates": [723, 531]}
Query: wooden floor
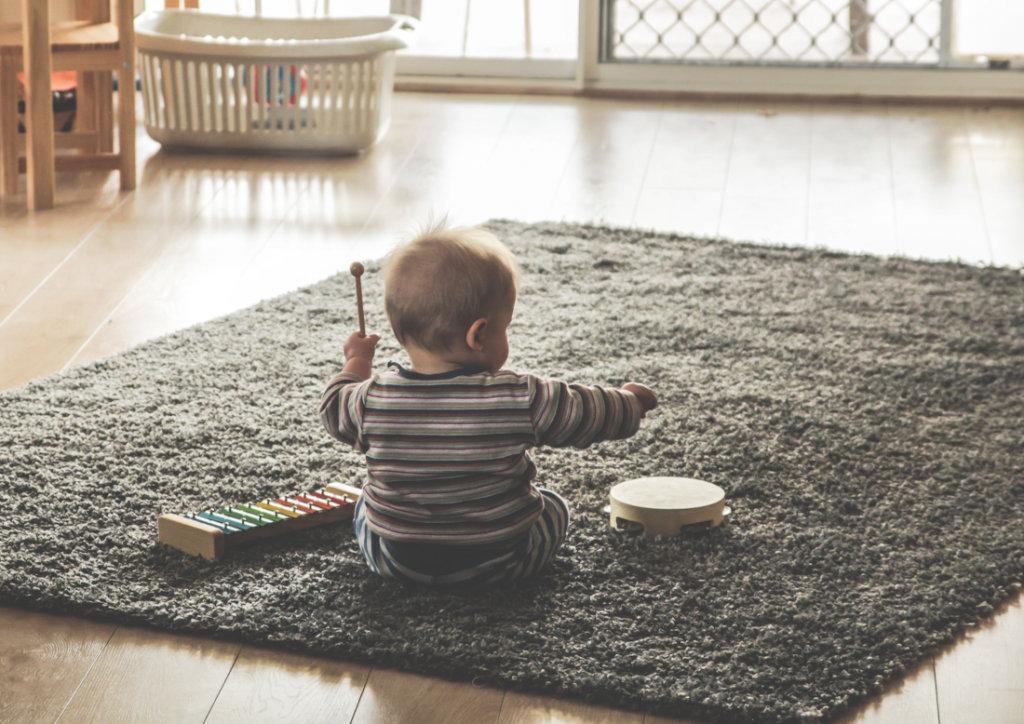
{"type": "Point", "coordinates": [205, 235]}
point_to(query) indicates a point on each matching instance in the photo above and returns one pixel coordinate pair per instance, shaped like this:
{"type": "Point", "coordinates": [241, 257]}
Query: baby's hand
{"type": "Point", "coordinates": [361, 345]}
{"type": "Point", "coordinates": [648, 400]}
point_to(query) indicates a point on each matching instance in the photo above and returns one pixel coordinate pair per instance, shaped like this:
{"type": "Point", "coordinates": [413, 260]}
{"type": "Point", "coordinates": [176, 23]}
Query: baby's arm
{"type": "Point", "coordinates": [648, 400]}
{"type": "Point", "coordinates": [341, 408]}
{"type": "Point", "coordinates": [577, 415]}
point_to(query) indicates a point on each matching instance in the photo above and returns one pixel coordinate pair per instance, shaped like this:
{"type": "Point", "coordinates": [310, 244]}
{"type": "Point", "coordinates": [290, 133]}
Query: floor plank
{"type": "Point", "coordinates": [192, 278]}
{"type": "Point", "coordinates": [526, 165]}
{"type": "Point", "coordinates": [908, 701]}
{"type": "Point", "coordinates": [693, 147]}
{"type": "Point", "coordinates": [766, 191]}
{"type": "Point", "coordinates": [684, 186]}
{"type": "Point", "coordinates": [651, 719]}
{"type": "Point", "coordinates": [1000, 173]}
{"type": "Point", "coordinates": [857, 216]}
{"type": "Point", "coordinates": [33, 249]}
{"type": "Point", "coordinates": [25, 263]}
{"type": "Point", "coordinates": [850, 143]}
{"type": "Point", "coordinates": [43, 659]}
{"type": "Point", "coordinates": [42, 335]}
{"type": "Point", "coordinates": [981, 679]}
{"type": "Point", "coordinates": [938, 204]}
{"type": "Point", "coordinates": [523, 709]}
{"type": "Point", "coordinates": [395, 697]}
{"type": "Point", "coordinates": [605, 173]}
{"type": "Point", "coordinates": [696, 212]}
{"type": "Point", "coordinates": [145, 676]}
{"type": "Point", "coordinates": [450, 159]}
{"type": "Point", "coordinates": [273, 687]}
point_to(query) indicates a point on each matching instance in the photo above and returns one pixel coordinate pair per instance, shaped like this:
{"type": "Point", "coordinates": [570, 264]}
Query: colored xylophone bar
{"type": "Point", "coordinates": [210, 533]}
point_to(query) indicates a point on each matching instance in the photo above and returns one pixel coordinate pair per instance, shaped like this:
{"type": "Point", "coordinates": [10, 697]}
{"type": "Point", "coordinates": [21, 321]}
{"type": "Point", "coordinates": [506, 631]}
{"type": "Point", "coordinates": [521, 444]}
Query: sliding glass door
{"type": "Point", "coordinates": [897, 48]}
{"type": "Point", "coordinates": [513, 39]}
{"type": "Point", "coordinates": [860, 32]}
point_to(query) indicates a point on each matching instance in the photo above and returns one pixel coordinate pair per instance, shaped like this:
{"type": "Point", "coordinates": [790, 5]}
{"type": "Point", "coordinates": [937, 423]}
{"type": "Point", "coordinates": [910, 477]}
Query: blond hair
{"type": "Point", "coordinates": [440, 282]}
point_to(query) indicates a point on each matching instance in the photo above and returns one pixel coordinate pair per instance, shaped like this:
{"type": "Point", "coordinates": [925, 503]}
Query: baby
{"type": "Point", "coordinates": [450, 498]}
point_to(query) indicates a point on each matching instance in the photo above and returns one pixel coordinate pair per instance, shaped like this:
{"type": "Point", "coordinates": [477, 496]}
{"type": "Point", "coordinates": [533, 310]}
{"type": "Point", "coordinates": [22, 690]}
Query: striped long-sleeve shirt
{"type": "Point", "coordinates": [446, 454]}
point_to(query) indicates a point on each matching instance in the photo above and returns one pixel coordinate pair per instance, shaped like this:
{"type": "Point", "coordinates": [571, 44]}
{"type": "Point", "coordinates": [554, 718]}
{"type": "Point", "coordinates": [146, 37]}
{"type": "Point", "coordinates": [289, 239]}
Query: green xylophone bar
{"type": "Point", "coordinates": [211, 533]}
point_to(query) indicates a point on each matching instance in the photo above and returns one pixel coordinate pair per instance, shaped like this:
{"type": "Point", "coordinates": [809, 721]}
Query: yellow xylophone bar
{"type": "Point", "coordinates": [210, 533]}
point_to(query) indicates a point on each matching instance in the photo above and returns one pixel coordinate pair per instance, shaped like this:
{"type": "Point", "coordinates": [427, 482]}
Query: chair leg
{"type": "Point", "coordinates": [8, 129]}
{"type": "Point", "coordinates": [38, 103]}
{"type": "Point", "coordinates": [105, 111]}
{"type": "Point", "coordinates": [85, 107]}
{"type": "Point", "coordinates": [87, 112]}
{"type": "Point", "coordinates": [126, 126]}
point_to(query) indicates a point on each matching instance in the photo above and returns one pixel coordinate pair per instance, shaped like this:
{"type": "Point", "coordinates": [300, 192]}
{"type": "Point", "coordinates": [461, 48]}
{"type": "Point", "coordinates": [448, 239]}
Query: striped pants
{"type": "Point", "coordinates": [527, 558]}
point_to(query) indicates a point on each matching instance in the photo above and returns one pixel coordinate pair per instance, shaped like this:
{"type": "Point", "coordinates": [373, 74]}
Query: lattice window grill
{"type": "Point", "coordinates": [873, 32]}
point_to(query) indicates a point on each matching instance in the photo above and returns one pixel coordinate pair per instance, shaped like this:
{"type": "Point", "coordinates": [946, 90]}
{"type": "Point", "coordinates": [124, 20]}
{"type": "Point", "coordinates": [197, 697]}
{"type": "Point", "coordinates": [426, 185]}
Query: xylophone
{"type": "Point", "coordinates": [210, 533]}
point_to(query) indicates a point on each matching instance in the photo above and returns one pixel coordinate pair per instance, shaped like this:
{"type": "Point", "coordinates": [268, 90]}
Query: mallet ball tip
{"type": "Point", "coordinates": [357, 269]}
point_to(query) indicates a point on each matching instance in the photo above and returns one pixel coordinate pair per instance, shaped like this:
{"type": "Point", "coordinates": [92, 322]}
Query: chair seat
{"type": "Point", "coordinates": [68, 37]}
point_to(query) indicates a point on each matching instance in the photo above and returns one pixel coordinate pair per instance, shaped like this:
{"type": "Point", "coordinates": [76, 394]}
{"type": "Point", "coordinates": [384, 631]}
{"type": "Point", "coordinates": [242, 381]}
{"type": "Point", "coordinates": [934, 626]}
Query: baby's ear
{"type": "Point", "coordinates": [475, 335]}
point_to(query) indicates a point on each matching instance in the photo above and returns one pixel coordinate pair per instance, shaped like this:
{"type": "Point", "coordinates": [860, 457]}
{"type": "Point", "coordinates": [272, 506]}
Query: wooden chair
{"type": "Point", "coordinates": [101, 41]}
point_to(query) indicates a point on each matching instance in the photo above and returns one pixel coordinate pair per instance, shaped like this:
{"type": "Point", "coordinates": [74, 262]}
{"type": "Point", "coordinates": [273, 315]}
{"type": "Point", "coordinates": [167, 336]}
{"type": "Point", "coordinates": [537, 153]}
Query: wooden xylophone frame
{"type": "Point", "coordinates": [211, 533]}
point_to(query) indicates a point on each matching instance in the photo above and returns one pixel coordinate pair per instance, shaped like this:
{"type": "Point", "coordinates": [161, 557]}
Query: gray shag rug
{"type": "Point", "coordinates": [863, 415]}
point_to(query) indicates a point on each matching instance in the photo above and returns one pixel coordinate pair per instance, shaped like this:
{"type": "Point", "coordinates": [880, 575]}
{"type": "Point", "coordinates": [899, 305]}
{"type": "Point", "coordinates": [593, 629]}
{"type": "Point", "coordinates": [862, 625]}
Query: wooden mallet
{"type": "Point", "coordinates": [357, 270]}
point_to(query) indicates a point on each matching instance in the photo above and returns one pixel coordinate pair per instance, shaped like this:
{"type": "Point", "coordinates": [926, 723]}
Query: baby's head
{"type": "Point", "coordinates": [450, 292]}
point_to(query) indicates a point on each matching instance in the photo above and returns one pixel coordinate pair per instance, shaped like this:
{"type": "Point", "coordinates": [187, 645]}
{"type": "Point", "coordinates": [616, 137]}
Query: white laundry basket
{"type": "Point", "coordinates": [267, 84]}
